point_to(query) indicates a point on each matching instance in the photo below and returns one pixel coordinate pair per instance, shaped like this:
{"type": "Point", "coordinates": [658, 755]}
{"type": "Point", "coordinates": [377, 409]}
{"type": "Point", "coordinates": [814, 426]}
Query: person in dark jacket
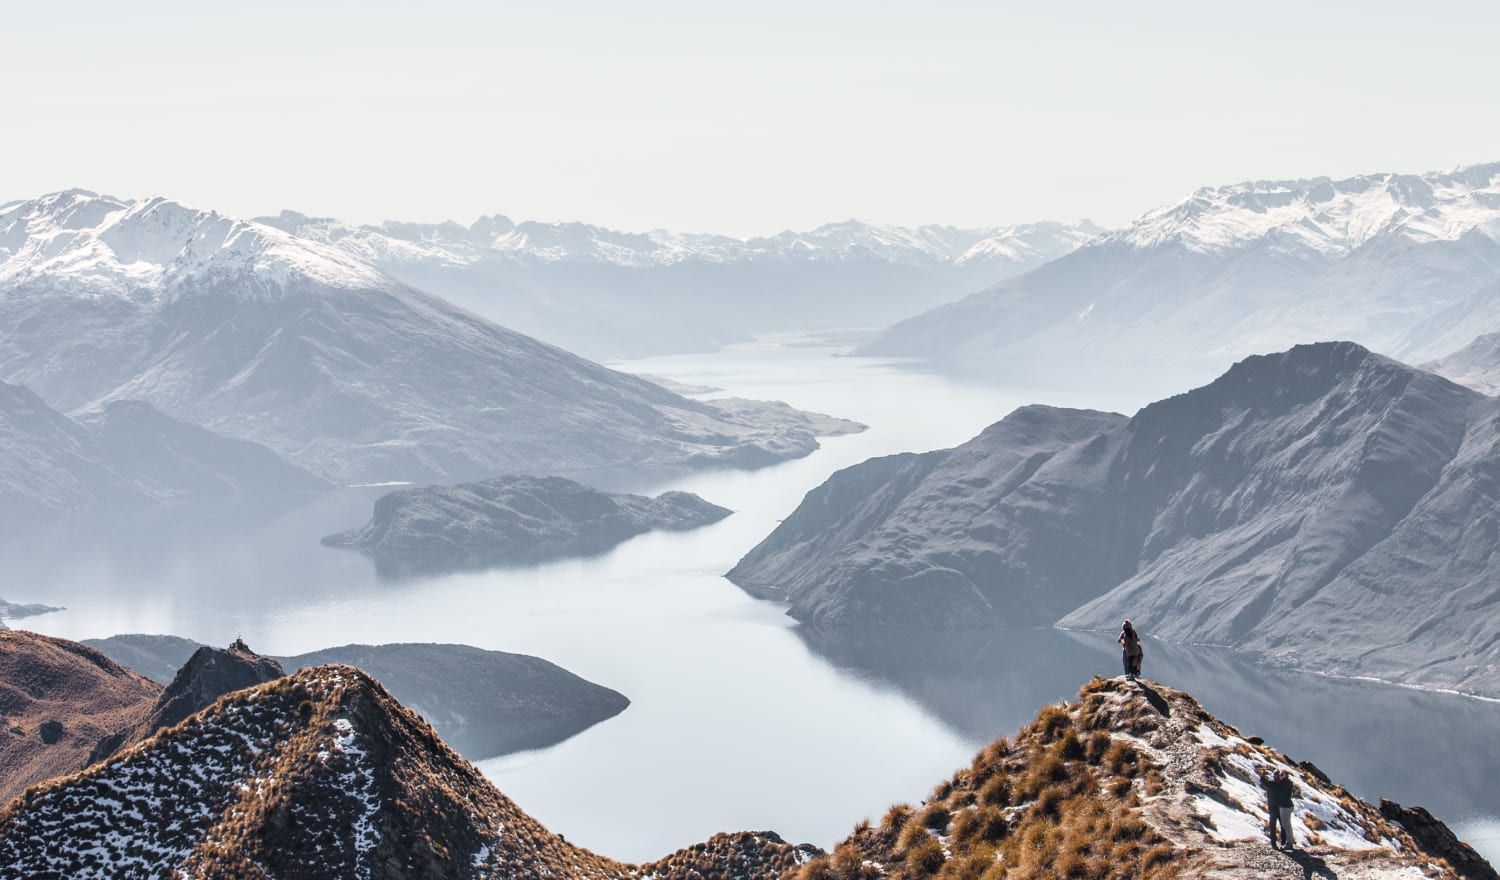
{"type": "Point", "coordinates": [1279, 789]}
{"type": "Point", "coordinates": [1131, 653]}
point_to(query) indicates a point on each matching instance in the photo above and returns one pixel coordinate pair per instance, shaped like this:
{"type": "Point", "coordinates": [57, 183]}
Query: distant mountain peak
{"type": "Point", "coordinates": [1326, 215]}
{"type": "Point", "coordinates": [498, 237]}
{"type": "Point", "coordinates": [79, 242]}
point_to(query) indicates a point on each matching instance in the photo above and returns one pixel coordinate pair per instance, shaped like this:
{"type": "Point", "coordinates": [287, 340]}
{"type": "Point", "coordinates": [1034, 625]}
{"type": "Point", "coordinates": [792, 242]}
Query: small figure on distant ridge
{"type": "Point", "coordinates": [1279, 788]}
{"type": "Point", "coordinates": [1130, 643]}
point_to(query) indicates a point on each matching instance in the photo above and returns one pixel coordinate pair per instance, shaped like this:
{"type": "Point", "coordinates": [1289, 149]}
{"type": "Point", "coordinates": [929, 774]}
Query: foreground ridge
{"type": "Point", "coordinates": [1135, 780]}
{"type": "Point", "coordinates": [322, 774]}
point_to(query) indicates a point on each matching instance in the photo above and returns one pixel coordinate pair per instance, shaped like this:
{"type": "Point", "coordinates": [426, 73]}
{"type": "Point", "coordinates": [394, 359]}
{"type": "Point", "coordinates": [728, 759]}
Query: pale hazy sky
{"type": "Point", "coordinates": [745, 117]}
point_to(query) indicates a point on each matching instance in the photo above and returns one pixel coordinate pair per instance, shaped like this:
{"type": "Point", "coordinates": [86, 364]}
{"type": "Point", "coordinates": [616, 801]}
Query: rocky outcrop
{"type": "Point", "coordinates": [512, 520]}
{"type": "Point", "coordinates": [1436, 838]}
{"type": "Point", "coordinates": [58, 700]}
{"type": "Point", "coordinates": [1324, 507]}
{"type": "Point", "coordinates": [209, 674]}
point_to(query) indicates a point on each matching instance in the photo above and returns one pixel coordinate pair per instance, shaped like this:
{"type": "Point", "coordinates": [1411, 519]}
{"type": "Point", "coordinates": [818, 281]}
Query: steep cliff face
{"type": "Point", "coordinates": [1323, 506]}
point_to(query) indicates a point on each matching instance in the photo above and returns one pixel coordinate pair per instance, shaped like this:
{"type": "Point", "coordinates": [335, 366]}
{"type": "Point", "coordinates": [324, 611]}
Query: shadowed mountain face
{"type": "Point", "coordinates": [255, 334]}
{"type": "Point", "coordinates": [1405, 264]}
{"type": "Point", "coordinates": [1325, 507]}
{"type": "Point", "coordinates": [324, 775]}
{"type": "Point", "coordinates": [485, 703]}
{"type": "Point", "coordinates": [123, 455]}
{"type": "Point", "coordinates": [512, 520]}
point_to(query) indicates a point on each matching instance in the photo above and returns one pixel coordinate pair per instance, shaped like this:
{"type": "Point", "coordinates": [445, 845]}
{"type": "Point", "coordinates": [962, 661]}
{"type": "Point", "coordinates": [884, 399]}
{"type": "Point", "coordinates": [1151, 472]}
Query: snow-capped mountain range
{"type": "Point", "coordinates": [256, 334]}
{"type": "Point", "coordinates": [1324, 215]}
{"type": "Point", "coordinates": [609, 294]}
{"type": "Point", "coordinates": [1406, 264]}
{"type": "Point", "coordinates": [79, 242]}
{"type": "Point", "coordinates": [498, 237]}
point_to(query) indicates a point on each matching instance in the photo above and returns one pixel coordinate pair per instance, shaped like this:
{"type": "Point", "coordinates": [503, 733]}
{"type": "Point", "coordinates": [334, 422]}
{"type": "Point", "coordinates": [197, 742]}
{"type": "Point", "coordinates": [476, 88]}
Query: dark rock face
{"type": "Point", "coordinates": [512, 520]}
{"type": "Point", "coordinates": [970, 536]}
{"type": "Point", "coordinates": [50, 731]}
{"type": "Point", "coordinates": [209, 674]}
{"type": "Point", "coordinates": [1438, 839]}
{"type": "Point", "coordinates": [1324, 507]}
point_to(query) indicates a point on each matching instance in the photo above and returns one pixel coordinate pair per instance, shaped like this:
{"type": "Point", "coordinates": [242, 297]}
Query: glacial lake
{"type": "Point", "coordinates": [740, 718]}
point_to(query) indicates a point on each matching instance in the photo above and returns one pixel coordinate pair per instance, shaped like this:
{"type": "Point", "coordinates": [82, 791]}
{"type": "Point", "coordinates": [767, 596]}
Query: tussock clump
{"type": "Point", "coordinates": [895, 818]}
{"type": "Point", "coordinates": [924, 858]}
{"type": "Point", "coordinates": [937, 817]}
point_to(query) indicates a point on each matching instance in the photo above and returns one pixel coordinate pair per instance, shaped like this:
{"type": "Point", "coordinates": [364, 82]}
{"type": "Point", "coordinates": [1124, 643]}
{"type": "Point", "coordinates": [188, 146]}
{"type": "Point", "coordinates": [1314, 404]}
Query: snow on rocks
{"type": "Point", "coordinates": [1327, 216]}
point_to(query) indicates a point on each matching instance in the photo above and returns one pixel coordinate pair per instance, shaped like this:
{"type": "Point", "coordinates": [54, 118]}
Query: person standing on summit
{"type": "Point", "coordinates": [1131, 653]}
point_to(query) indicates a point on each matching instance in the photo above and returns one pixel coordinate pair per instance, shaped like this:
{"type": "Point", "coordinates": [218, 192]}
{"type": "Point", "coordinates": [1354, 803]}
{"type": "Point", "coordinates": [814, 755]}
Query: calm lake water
{"type": "Point", "coordinates": [740, 719]}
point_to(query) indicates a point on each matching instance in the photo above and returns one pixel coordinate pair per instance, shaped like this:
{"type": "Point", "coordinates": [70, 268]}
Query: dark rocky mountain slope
{"type": "Point", "coordinates": [1324, 506]}
{"type": "Point", "coordinates": [512, 520]}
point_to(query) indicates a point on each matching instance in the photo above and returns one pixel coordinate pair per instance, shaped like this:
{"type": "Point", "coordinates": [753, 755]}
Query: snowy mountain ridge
{"type": "Point", "coordinates": [1324, 215]}
{"type": "Point", "coordinates": [83, 243]}
{"type": "Point", "coordinates": [497, 237]}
